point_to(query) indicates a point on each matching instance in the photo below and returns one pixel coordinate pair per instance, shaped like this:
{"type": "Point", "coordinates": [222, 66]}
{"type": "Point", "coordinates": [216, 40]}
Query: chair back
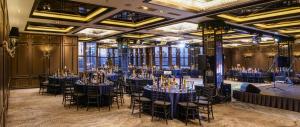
{"type": "Point", "coordinates": [160, 94]}
{"type": "Point", "coordinates": [189, 97]}
{"type": "Point", "coordinates": [92, 90]}
{"type": "Point", "coordinates": [207, 92]}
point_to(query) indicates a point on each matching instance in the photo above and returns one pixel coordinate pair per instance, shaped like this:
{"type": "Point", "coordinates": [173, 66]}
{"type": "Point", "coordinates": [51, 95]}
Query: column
{"type": "Point", "coordinates": [213, 50]}
{"type": "Point", "coordinates": [284, 51]}
{"type": "Point", "coordinates": [123, 55]}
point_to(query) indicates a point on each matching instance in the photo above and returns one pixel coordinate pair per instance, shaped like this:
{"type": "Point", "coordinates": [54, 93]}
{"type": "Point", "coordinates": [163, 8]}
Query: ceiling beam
{"type": "Point", "coordinates": [208, 13]}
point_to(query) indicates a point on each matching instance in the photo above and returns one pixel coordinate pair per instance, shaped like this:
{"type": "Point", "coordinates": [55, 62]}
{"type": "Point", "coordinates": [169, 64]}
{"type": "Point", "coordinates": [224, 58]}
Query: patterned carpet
{"type": "Point", "coordinates": [29, 109]}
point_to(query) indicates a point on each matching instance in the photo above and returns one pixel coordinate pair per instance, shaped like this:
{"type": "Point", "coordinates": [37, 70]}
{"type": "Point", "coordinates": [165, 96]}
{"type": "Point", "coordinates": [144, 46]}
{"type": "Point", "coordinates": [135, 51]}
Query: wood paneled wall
{"type": "Point", "coordinates": [30, 60]}
{"type": "Point", "coordinates": [256, 57]}
{"type": "Point", "coordinates": [4, 63]}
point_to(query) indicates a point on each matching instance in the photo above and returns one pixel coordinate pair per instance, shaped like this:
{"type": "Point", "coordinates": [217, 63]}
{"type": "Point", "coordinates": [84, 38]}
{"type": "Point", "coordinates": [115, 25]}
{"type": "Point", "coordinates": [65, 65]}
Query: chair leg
{"type": "Point", "coordinates": [77, 102]}
{"type": "Point", "coordinates": [98, 103]}
{"type": "Point", "coordinates": [117, 101]}
{"type": "Point", "coordinates": [87, 105]}
{"type": "Point", "coordinates": [186, 116]}
{"type": "Point", "coordinates": [152, 113]}
{"type": "Point", "coordinates": [133, 105]}
{"type": "Point", "coordinates": [208, 113]}
{"type": "Point", "coordinates": [212, 112]}
{"type": "Point", "coordinates": [199, 116]}
{"type": "Point", "coordinates": [140, 109]}
{"type": "Point", "coordinates": [166, 115]}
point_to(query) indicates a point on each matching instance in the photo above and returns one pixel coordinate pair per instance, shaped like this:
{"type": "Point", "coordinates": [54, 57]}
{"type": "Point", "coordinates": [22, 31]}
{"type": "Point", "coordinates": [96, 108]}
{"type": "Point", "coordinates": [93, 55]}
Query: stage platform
{"type": "Point", "coordinates": [283, 97]}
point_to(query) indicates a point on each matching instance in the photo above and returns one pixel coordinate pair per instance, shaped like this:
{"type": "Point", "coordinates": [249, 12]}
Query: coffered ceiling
{"type": "Point", "coordinates": [95, 20]}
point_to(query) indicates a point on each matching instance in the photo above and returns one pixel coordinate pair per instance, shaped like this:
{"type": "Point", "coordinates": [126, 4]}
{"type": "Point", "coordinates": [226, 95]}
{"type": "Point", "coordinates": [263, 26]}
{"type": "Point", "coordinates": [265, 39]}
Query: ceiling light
{"type": "Point", "coordinates": [108, 41]}
{"type": "Point", "coordinates": [200, 33]}
{"type": "Point", "coordinates": [138, 36]}
{"type": "Point", "coordinates": [144, 7]}
{"type": "Point", "coordinates": [166, 38]}
{"type": "Point", "coordinates": [94, 32]}
{"type": "Point", "coordinates": [179, 28]}
{"type": "Point", "coordinates": [192, 5]}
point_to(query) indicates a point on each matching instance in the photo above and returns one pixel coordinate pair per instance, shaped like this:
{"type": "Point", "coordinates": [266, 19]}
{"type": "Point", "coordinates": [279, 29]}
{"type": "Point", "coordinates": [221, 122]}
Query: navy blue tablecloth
{"type": "Point", "coordinates": [112, 77]}
{"type": "Point", "coordinates": [174, 97]}
{"type": "Point", "coordinates": [60, 81]}
{"type": "Point", "coordinates": [104, 89]}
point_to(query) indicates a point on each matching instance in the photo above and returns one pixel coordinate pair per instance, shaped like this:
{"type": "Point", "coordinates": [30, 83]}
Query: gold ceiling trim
{"type": "Point", "coordinates": [69, 16]}
{"type": "Point", "coordinates": [280, 12]}
{"type": "Point", "coordinates": [237, 36]}
{"type": "Point", "coordinates": [130, 24]}
{"type": "Point", "coordinates": [50, 29]}
{"type": "Point", "coordinates": [278, 25]}
{"type": "Point", "coordinates": [200, 33]}
{"type": "Point", "coordinates": [138, 36]}
{"type": "Point", "coordinates": [84, 38]}
{"type": "Point", "coordinates": [289, 31]}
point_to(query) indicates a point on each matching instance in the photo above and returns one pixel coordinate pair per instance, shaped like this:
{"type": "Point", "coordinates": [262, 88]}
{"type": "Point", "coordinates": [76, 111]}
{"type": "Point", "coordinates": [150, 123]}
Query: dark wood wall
{"type": "Point", "coordinates": [257, 57]}
{"type": "Point", "coordinates": [30, 60]}
{"type": "Point", "coordinates": [4, 63]}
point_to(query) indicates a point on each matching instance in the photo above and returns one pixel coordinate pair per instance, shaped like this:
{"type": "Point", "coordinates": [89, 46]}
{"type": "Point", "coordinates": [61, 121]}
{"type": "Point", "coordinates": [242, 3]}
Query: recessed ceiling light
{"type": "Point", "coordinates": [144, 7]}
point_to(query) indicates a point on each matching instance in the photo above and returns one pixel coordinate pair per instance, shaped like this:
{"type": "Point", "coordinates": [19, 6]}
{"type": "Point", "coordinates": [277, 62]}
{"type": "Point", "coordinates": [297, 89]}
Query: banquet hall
{"type": "Point", "coordinates": [146, 63]}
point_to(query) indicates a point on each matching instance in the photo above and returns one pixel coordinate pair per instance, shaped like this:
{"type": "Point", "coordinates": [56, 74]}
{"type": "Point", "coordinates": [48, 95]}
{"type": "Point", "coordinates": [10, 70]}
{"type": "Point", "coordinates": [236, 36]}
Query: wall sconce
{"type": "Point", "coordinates": [296, 54]}
{"type": "Point", "coordinates": [247, 55]}
{"type": "Point", "coordinates": [271, 54]}
{"type": "Point", "coordinates": [46, 51]}
{"type": "Point", "coordinates": [10, 45]}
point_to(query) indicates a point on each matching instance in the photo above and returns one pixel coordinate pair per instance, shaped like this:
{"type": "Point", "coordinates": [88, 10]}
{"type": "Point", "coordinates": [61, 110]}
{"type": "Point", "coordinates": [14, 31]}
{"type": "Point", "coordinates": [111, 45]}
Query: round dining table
{"type": "Point", "coordinates": [112, 76]}
{"type": "Point", "coordinates": [175, 95]}
{"type": "Point", "coordinates": [60, 81]}
{"type": "Point", "coordinates": [104, 89]}
{"type": "Point", "coordinates": [140, 81]}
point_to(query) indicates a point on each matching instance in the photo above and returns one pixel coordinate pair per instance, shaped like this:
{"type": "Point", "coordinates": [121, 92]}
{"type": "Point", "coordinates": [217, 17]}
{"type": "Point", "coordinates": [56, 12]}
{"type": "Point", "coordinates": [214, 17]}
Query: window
{"type": "Point", "coordinates": [174, 56]}
{"type": "Point", "coordinates": [138, 55]}
{"type": "Point", "coordinates": [157, 56]}
{"type": "Point", "coordinates": [81, 56]}
{"type": "Point", "coordinates": [144, 56]}
{"type": "Point", "coordinates": [184, 57]}
{"type": "Point", "coordinates": [91, 56]}
{"type": "Point", "coordinates": [103, 54]}
{"type": "Point", "coordinates": [116, 57]}
{"type": "Point", "coordinates": [165, 57]}
{"type": "Point", "coordinates": [134, 53]}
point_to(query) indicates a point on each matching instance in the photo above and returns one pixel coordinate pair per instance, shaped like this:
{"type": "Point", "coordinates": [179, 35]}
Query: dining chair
{"type": "Point", "coordinates": [160, 103]}
{"type": "Point", "coordinates": [93, 96]}
{"type": "Point", "coordinates": [189, 108]}
{"type": "Point", "coordinates": [44, 84]}
{"type": "Point", "coordinates": [143, 103]}
{"type": "Point", "coordinates": [205, 100]}
{"type": "Point", "coordinates": [68, 90]}
{"type": "Point", "coordinates": [78, 93]}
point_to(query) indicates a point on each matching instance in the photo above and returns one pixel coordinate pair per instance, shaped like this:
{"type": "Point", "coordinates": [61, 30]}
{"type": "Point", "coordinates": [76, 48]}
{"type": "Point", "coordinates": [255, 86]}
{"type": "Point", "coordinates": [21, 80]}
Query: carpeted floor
{"type": "Point", "coordinates": [29, 109]}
